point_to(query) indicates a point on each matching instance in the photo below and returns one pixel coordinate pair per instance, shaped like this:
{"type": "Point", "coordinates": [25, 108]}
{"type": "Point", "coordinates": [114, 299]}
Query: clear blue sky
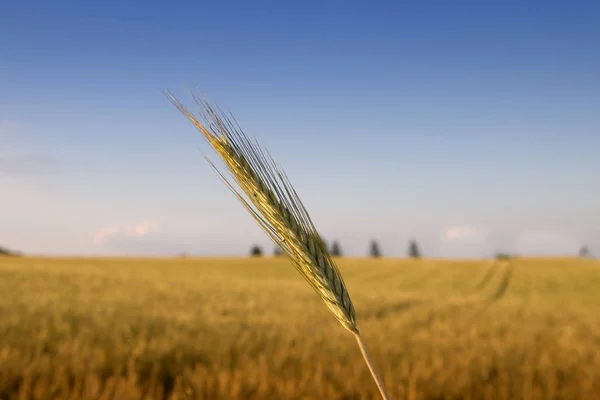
{"type": "Point", "coordinates": [470, 126]}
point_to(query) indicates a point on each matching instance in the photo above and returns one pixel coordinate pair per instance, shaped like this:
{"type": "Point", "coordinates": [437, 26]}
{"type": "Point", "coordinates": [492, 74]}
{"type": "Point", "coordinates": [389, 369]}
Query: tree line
{"type": "Point", "coordinates": [374, 250]}
{"type": "Point", "coordinates": [413, 251]}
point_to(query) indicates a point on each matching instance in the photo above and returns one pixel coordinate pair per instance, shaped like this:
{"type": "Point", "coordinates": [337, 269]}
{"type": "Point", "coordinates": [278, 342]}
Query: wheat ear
{"type": "Point", "coordinates": [274, 204]}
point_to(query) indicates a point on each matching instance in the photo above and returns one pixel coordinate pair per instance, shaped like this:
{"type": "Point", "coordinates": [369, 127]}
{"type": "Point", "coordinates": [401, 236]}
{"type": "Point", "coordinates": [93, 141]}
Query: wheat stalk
{"type": "Point", "coordinates": [276, 207]}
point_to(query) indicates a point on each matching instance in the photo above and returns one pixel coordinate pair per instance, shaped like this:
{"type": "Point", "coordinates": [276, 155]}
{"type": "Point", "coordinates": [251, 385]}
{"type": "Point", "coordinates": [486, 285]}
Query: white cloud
{"type": "Point", "coordinates": [24, 163]}
{"type": "Point", "coordinates": [140, 229]}
{"type": "Point", "coordinates": [458, 232]}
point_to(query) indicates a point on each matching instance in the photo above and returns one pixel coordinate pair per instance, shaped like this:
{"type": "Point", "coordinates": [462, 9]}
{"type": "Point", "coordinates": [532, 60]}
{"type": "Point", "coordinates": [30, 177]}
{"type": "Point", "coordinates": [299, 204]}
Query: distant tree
{"type": "Point", "coordinates": [336, 250]}
{"type": "Point", "coordinates": [413, 249]}
{"type": "Point", "coordinates": [256, 251]}
{"type": "Point", "coordinates": [324, 242]}
{"type": "Point", "coordinates": [6, 252]}
{"type": "Point", "coordinates": [502, 256]}
{"type": "Point", "coordinates": [277, 251]}
{"type": "Point", "coordinates": [584, 252]}
{"type": "Point", "coordinates": [374, 250]}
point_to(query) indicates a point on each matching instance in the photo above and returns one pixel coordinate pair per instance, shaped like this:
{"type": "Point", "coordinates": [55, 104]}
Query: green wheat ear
{"type": "Point", "coordinates": [276, 207]}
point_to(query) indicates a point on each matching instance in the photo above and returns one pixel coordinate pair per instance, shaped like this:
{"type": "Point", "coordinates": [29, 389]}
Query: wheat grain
{"type": "Point", "coordinates": [276, 207]}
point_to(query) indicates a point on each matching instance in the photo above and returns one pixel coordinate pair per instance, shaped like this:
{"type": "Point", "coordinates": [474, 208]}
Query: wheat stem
{"type": "Point", "coordinates": [369, 362]}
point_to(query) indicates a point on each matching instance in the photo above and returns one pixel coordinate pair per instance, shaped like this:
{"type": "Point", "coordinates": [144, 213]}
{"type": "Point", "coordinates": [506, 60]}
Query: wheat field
{"type": "Point", "coordinates": [250, 328]}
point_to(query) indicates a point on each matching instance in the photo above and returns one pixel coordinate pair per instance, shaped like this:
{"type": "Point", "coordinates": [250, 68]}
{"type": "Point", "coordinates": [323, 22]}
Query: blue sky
{"type": "Point", "coordinates": [472, 127]}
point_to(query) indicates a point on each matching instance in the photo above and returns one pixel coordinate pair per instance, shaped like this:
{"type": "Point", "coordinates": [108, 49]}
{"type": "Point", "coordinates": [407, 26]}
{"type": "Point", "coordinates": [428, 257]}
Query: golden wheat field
{"type": "Point", "coordinates": [253, 329]}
